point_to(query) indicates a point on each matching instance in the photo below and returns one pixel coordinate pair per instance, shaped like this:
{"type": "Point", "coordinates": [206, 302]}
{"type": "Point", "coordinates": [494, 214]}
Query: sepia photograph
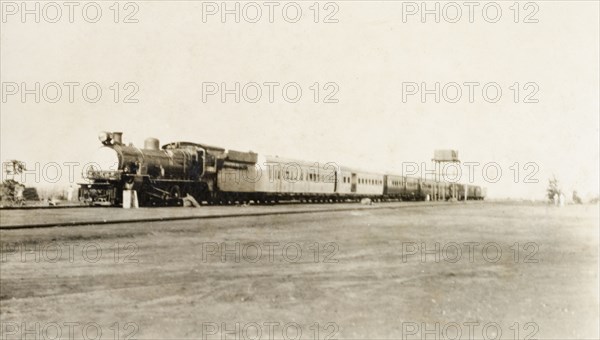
{"type": "Point", "coordinates": [299, 170]}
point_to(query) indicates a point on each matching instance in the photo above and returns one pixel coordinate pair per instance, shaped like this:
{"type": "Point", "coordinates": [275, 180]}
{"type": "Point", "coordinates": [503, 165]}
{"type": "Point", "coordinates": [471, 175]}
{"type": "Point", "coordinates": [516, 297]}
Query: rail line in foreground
{"type": "Point", "coordinates": [217, 216]}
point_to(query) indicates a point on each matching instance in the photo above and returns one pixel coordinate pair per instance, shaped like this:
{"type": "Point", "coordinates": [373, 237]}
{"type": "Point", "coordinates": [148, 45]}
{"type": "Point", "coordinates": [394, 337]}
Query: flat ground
{"type": "Point", "coordinates": [495, 270]}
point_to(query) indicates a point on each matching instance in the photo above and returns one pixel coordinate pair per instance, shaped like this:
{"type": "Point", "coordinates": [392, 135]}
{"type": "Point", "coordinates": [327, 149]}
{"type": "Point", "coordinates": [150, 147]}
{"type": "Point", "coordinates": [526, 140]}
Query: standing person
{"type": "Point", "coordinates": [576, 198]}
{"type": "Point", "coordinates": [555, 199]}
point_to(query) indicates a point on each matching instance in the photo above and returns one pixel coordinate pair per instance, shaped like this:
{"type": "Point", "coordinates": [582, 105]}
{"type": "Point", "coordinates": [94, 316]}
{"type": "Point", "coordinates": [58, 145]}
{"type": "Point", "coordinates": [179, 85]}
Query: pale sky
{"type": "Point", "coordinates": [369, 54]}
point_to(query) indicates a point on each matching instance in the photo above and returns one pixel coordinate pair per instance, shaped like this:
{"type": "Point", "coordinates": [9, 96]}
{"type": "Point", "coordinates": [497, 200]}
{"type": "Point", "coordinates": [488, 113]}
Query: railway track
{"type": "Point", "coordinates": [44, 207]}
{"type": "Point", "coordinates": [313, 209]}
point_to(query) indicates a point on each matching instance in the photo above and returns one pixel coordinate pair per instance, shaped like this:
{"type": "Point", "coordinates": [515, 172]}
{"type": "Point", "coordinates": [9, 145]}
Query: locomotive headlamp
{"type": "Point", "coordinates": [105, 137]}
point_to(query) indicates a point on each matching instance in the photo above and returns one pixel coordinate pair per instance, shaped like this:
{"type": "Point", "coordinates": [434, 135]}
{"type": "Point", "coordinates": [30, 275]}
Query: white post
{"type": "Point", "coordinates": [134, 199]}
{"type": "Point", "coordinates": [130, 199]}
{"type": "Point", "coordinates": [126, 199]}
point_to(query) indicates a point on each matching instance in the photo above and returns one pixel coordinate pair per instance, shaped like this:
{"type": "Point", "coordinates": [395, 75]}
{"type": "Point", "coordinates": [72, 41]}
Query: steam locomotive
{"type": "Point", "coordinates": [163, 176]}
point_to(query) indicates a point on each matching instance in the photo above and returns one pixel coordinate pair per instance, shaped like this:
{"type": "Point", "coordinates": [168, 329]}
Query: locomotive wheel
{"type": "Point", "coordinates": [175, 191]}
{"type": "Point", "coordinates": [175, 196]}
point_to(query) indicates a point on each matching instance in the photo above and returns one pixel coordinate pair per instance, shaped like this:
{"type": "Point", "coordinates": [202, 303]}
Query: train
{"type": "Point", "coordinates": [213, 175]}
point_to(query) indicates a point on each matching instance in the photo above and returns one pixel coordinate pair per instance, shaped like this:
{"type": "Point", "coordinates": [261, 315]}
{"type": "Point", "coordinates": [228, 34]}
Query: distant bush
{"type": "Point", "coordinates": [31, 194]}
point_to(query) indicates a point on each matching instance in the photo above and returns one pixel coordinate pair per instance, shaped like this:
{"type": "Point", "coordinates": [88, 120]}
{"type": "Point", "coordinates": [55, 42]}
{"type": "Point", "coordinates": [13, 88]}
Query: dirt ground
{"type": "Point", "coordinates": [461, 271]}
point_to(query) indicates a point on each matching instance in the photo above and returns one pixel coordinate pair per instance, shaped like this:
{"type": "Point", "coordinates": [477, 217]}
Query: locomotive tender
{"type": "Point", "coordinates": [163, 176]}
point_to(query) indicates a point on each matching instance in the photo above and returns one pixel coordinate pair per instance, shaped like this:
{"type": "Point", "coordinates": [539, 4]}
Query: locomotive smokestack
{"type": "Point", "coordinates": [151, 144]}
{"type": "Point", "coordinates": [118, 137]}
